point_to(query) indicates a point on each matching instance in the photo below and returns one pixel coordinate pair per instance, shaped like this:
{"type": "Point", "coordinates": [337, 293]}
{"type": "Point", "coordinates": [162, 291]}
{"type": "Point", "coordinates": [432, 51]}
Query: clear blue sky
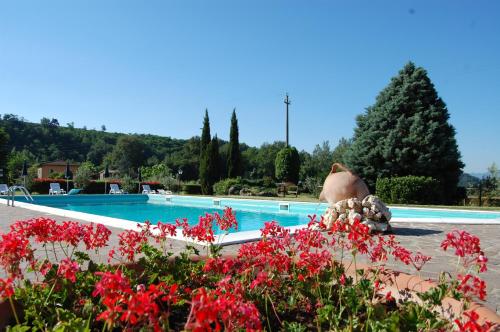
{"type": "Point", "coordinates": [154, 66]}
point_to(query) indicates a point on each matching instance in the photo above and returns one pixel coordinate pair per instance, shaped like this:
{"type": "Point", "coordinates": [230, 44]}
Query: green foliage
{"type": "Point", "coordinates": [408, 190]}
{"type": "Point", "coordinates": [288, 165]}
{"type": "Point", "coordinates": [222, 187]}
{"type": "Point", "coordinates": [206, 168]}
{"type": "Point", "coordinates": [56, 175]}
{"type": "Point", "coordinates": [205, 134]}
{"type": "Point", "coordinates": [84, 175]}
{"type": "Point", "coordinates": [214, 160]}
{"type": "Point", "coordinates": [15, 165]}
{"type": "Point", "coordinates": [406, 132]}
{"type": "Point", "coordinates": [155, 172]}
{"type": "Point", "coordinates": [312, 185]}
{"type": "Point", "coordinates": [4, 138]}
{"type": "Point", "coordinates": [129, 153]}
{"type": "Point", "coordinates": [50, 142]}
{"type": "Point", "coordinates": [317, 164]}
{"type": "Point", "coordinates": [129, 185]}
{"type": "Point", "coordinates": [234, 166]}
{"type": "Point", "coordinates": [339, 153]}
{"type": "Point", "coordinates": [191, 188]}
{"type": "Point", "coordinates": [260, 161]}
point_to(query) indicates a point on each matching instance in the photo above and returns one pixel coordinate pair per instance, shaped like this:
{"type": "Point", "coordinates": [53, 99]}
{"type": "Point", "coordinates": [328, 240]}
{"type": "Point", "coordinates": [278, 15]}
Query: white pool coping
{"type": "Point", "coordinates": [237, 237]}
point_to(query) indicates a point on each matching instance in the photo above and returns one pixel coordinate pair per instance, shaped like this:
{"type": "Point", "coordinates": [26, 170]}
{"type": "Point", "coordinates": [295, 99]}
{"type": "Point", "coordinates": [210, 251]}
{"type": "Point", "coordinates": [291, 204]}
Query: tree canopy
{"type": "Point", "coordinates": [406, 132]}
{"type": "Point", "coordinates": [288, 165]}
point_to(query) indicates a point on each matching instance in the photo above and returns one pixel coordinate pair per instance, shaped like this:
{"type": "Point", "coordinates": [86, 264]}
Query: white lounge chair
{"type": "Point", "coordinates": [115, 189]}
{"type": "Point", "coordinates": [164, 192]}
{"type": "Point", "coordinates": [55, 189]}
{"type": "Point", "coordinates": [146, 189]}
{"type": "Point", "coordinates": [4, 189]}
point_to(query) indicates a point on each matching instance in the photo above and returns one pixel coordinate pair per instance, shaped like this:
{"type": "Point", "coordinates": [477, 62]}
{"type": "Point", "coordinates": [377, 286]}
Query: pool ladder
{"type": "Point", "coordinates": [11, 193]}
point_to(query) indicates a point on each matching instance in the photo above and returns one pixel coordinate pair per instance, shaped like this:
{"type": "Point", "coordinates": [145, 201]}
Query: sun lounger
{"type": "Point", "coordinates": [146, 189]}
{"type": "Point", "coordinates": [164, 192]}
{"type": "Point", "coordinates": [55, 189]}
{"type": "Point", "coordinates": [4, 189]}
{"type": "Point", "coordinates": [115, 189]}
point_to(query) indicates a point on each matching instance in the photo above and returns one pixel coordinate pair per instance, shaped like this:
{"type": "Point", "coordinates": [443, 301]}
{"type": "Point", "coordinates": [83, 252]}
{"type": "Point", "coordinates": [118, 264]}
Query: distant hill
{"type": "Point", "coordinates": [468, 180]}
{"type": "Point", "coordinates": [48, 141]}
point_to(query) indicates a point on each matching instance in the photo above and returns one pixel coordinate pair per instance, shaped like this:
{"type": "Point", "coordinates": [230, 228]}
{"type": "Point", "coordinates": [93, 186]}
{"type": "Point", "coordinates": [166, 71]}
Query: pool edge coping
{"type": "Point", "coordinates": [231, 238]}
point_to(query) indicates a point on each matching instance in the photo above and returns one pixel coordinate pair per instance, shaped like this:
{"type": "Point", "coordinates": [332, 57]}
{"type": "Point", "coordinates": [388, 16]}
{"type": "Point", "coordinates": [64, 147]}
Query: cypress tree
{"type": "Point", "coordinates": [214, 161]}
{"type": "Point", "coordinates": [234, 157]}
{"type": "Point", "coordinates": [205, 133]}
{"type": "Point", "coordinates": [406, 132]}
{"type": "Point", "coordinates": [205, 175]}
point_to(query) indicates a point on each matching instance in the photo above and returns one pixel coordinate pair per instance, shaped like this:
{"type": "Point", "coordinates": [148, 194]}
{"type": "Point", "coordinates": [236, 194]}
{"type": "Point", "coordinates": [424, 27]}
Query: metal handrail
{"type": "Point", "coordinates": [11, 193]}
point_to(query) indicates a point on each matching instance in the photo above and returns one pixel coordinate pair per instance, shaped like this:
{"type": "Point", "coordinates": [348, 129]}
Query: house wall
{"type": "Point", "coordinates": [45, 170]}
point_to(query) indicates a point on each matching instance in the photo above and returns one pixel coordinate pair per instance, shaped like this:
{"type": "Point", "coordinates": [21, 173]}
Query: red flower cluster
{"type": "Point", "coordinates": [97, 237]}
{"type": "Point", "coordinates": [218, 310]}
{"type": "Point", "coordinates": [6, 288]}
{"type": "Point", "coordinates": [203, 231]}
{"type": "Point", "coordinates": [471, 285]}
{"type": "Point", "coordinates": [15, 247]}
{"type": "Point", "coordinates": [130, 242]}
{"type": "Point", "coordinates": [227, 221]}
{"type": "Point", "coordinates": [68, 269]}
{"type": "Point", "coordinates": [472, 324]}
{"type": "Point", "coordinates": [142, 307]}
{"type": "Point", "coordinates": [467, 247]}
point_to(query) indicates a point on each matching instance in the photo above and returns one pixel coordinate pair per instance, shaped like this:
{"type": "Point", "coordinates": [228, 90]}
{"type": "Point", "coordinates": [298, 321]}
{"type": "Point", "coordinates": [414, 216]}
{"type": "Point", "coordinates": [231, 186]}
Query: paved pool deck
{"type": "Point", "coordinates": [414, 236]}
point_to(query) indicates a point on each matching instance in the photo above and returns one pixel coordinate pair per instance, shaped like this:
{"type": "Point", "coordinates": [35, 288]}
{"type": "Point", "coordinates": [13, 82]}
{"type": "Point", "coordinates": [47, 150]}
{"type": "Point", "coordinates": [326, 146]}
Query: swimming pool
{"type": "Point", "coordinates": [251, 214]}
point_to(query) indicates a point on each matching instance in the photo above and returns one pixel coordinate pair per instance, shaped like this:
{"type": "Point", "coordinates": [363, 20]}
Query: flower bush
{"type": "Point", "coordinates": [306, 280]}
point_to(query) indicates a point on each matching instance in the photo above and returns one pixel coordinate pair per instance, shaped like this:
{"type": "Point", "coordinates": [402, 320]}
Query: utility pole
{"type": "Point", "coordinates": [287, 102]}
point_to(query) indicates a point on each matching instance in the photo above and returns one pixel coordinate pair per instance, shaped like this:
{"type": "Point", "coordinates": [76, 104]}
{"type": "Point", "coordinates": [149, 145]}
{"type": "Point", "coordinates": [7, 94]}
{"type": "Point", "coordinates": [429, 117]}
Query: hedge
{"type": "Point", "coordinates": [408, 190]}
{"type": "Point", "coordinates": [192, 188]}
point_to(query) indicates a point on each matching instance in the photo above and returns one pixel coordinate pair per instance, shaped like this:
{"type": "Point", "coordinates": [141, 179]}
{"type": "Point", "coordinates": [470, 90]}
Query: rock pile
{"type": "Point", "coordinates": [371, 211]}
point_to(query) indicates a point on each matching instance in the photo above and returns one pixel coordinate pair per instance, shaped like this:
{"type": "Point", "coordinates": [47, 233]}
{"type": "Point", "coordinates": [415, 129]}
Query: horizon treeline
{"type": "Point", "coordinates": [48, 141]}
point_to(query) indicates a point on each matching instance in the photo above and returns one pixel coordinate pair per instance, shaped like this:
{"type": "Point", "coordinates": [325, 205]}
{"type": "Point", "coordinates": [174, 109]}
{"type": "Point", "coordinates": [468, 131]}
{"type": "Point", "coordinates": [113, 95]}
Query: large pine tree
{"type": "Point", "coordinates": [406, 132]}
{"type": "Point", "coordinates": [234, 166]}
{"type": "Point", "coordinates": [205, 172]}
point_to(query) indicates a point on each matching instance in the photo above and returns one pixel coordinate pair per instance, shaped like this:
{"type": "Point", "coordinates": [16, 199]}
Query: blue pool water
{"type": "Point", "coordinates": [251, 214]}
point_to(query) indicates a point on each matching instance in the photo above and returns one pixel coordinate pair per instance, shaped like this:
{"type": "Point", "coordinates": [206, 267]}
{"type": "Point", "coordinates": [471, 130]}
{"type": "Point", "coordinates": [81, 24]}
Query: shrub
{"type": "Point", "coordinates": [129, 185]}
{"type": "Point", "coordinates": [268, 182]}
{"type": "Point", "coordinates": [287, 165]}
{"type": "Point", "coordinates": [191, 188]}
{"type": "Point", "coordinates": [84, 174]}
{"type": "Point", "coordinates": [222, 187]}
{"type": "Point", "coordinates": [408, 190]}
{"type": "Point", "coordinates": [312, 185]}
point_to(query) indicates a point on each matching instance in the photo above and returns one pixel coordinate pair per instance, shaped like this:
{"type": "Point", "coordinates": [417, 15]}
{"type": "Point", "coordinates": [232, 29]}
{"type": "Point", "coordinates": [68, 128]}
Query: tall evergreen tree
{"type": "Point", "coordinates": [214, 160]}
{"type": "Point", "coordinates": [205, 169]}
{"type": "Point", "coordinates": [4, 137]}
{"type": "Point", "coordinates": [406, 132]}
{"type": "Point", "coordinates": [205, 133]}
{"type": "Point", "coordinates": [234, 166]}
